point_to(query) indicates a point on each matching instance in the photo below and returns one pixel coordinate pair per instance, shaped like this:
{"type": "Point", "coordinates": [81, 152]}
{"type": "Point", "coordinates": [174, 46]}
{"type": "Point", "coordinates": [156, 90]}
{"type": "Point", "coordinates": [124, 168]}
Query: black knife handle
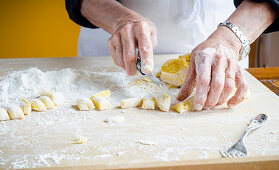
{"type": "Point", "coordinates": [139, 65]}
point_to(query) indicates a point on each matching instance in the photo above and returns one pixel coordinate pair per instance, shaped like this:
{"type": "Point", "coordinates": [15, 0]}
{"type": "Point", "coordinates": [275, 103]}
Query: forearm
{"type": "Point", "coordinates": [107, 14]}
{"type": "Point", "coordinates": [253, 18]}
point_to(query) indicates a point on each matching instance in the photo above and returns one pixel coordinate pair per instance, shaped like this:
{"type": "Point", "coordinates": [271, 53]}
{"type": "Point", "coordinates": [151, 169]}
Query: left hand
{"type": "Point", "coordinates": [215, 73]}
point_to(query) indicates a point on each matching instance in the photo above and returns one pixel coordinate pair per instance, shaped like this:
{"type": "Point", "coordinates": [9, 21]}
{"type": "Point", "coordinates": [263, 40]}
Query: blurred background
{"type": "Point", "coordinates": [36, 28]}
{"type": "Point", "coordinates": [42, 28]}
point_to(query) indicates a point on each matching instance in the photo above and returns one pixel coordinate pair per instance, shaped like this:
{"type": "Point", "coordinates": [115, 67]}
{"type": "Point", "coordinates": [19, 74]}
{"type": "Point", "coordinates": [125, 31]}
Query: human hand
{"type": "Point", "coordinates": [129, 36]}
{"type": "Point", "coordinates": [215, 73]}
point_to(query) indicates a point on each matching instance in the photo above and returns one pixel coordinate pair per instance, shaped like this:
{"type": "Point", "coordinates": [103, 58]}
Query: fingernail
{"type": "Point", "coordinates": [198, 107]}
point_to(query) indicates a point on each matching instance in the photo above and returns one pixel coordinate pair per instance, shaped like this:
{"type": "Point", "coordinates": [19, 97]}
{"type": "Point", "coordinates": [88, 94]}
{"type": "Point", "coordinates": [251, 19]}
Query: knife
{"type": "Point", "coordinates": [153, 78]}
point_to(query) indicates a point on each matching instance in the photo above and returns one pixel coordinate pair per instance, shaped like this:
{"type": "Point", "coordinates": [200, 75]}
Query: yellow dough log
{"type": "Point", "coordinates": [4, 114]}
{"type": "Point", "coordinates": [131, 102]}
{"type": "Point", "coordinates": [56, 97]}
{"type": "Point", "coordinates": [164, 102]}
{"type": "Point", "coordinates": [47, 101]}
{"type": "Point", "coordinates": [185, 57]}
{"type": "Point", "coordinates": [15, 112]}
{"type": "Point", "coordinates": [38, 105]}
{"type": "Point", "coordinates": [85, 104]}
{"type": "Point", "coordinates": [101, 103]}
{"type": "Point", "coordinates": [148, 103]}
{"type": "Point", "coordinates": [105, 94]}
{"type": "Point", "coordinates": [186, 105]}
{"type": "Point", "coordinates": [174, 71]}
{"type": "Point", "coordinates": [26, 106]}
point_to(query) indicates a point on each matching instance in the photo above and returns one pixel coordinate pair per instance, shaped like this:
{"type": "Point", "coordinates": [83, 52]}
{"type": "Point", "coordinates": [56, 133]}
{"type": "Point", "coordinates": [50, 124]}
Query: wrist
{"type": "Point", "coordinates": [226, 35]}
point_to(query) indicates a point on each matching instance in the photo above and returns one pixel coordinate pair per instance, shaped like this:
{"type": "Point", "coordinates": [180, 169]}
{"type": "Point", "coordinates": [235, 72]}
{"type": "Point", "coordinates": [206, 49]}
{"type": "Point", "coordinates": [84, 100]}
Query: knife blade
{"type": "Point", "coordinates": [154, 79]}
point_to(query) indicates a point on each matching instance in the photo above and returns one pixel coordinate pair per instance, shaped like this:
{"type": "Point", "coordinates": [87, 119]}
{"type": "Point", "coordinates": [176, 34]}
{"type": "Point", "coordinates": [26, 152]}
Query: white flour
{"type": "Point", "coordinates": [43, 139]}
{"type": "Point", "coordinates": [72, 83]}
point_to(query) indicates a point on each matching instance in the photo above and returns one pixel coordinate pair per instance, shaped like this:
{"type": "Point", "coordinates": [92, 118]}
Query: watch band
{"type": "Point", "coordinates": [244, 52]}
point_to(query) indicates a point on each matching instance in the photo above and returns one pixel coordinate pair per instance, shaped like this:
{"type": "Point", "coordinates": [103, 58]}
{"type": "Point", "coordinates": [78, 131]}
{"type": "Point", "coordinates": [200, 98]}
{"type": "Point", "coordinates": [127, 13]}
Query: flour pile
{"type": "Point", "coordinates": [72, 83]}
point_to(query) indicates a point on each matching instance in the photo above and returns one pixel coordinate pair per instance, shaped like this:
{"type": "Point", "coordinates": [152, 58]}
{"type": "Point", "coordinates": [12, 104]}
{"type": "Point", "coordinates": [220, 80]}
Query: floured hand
{"type": "Point", "coordinates": [215, 73]}
{"type": "Point", "coordinates": [130, 36]}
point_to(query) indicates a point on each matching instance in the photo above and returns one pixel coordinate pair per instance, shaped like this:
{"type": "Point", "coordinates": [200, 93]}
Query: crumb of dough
{"type": "Point", "coordinates": [80, 140]}
{"type": "Point", "coordinates": [115, 119]}
{"type": "Point", "coordinates": [147, 142]}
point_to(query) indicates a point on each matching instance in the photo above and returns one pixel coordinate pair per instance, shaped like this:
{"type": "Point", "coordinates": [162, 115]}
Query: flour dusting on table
{"type": "Point", "coordinates": [44, 139]}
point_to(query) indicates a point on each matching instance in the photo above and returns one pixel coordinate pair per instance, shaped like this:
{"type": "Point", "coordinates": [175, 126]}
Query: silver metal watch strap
{"type": "Point", "coordinates": [244, 41]}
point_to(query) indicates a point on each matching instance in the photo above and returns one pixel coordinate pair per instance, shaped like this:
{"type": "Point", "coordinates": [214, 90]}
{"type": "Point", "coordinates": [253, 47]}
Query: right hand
{"type": "Point", "coordinates": [128, 37]}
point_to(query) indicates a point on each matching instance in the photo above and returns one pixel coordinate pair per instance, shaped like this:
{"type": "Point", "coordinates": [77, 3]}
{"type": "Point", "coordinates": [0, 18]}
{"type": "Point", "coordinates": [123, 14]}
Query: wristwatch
{"type": "Point", "coordinates": [244, 52]}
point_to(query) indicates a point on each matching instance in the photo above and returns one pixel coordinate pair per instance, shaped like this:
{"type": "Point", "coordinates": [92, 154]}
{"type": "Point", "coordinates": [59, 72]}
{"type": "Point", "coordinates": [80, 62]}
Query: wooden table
{"type": "Point", "coordinates": [268, 76]}
{"type": "Point", "coordinates": [214, 130]}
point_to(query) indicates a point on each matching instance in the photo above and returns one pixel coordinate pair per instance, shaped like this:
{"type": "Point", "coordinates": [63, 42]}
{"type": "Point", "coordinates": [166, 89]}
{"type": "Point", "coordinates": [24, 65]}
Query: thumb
{"type": "Point", "coordinates": [189, 83]}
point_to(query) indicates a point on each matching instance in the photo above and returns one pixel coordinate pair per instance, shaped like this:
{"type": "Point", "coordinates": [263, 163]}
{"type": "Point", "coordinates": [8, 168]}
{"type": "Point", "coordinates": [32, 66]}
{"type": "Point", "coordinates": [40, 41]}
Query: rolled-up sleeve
{"type": "Point", "coordinates": [73, 9]}
{"type": "Point", "coordinates": [275, 5]}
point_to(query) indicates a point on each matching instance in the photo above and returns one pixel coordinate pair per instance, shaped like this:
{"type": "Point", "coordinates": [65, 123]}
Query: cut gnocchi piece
{"type": "Point", "coordinates": [101, 103]}
{"type": "Point", "coordinates": [15, 112]}
{"type": "Point", "coordinates": [38, 105]}
{"type": "Point", "coordinates": [131, 102]}
{"type": "Point", "coordinates": [56, 97]}
{"type": "Point", "coordinates": [186, 105]}
{"type": "Point", "coordinates": [85, 104]}
{"type": "Point", "coordinates": [26, 106]}
{"type": "Point", "coordinates": [164, 102]}
{"type": "Point", "coordinates": [4, 114]}
{"type": "Point", "coordinates": [105, 94]}
{"type": "Point", "coordinates": [148, 103]}
{"type": "Point", "coordinates": [47, 101]}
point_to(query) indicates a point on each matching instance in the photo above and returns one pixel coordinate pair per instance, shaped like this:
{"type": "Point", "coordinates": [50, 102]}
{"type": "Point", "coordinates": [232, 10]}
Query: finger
{"type": "Point", "coordinates": [129, 50]}
{"type": "Point", "coordinates": [217, 81]}
{"type": "Point", "coordinates": [118, 54]}
{"type": "Point", "coordinates": [229, 83]}
{"type": "Point", "coordinates": [112, 50]}
{"type": "Point", "coordinates": [242, 90]}
{"type": "Point", "coordinates": [154, 40]}
{"type": "Point", "coordinates": [189, 83]}
{"type": "Point", "coordinates": [203, 70]}
{"type": "Point", "coordinates": [143, 37]}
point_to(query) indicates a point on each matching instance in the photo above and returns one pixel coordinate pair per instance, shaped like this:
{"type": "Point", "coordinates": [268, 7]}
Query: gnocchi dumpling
{"type": "Point", "coordinates": [164, 102]}
{"type": "Point", "coordinates": [15, 112]}
{"type": "Point", "coordinates": [4, 114]}
{"type": "Point", "coordinates": [47, 101]}
{"type": "Point", "coordinates": [26, 106]}
{"type": "Point", "coordinates": [38, 105]}
{"type": "Point", "coordinates": [186, 105]}
{"type": "Point", "coordinates": [131, 102]}
{"type": "Point", "coordinates": [56, 97]}
{"type": "Point", "coordinates": [101, 103]}
{"type": "Point", "coordinates": [148, 103]}
{"type": "Point", "coordinates": [105, 94]}
{"type": "Point", "coordinates": [85, 104]}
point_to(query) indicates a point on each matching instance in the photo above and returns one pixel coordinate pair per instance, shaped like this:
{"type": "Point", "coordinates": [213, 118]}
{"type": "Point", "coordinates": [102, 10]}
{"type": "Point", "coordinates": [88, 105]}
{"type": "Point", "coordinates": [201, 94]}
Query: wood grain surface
{"type": "Point", "coordinates": [189, 140]}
